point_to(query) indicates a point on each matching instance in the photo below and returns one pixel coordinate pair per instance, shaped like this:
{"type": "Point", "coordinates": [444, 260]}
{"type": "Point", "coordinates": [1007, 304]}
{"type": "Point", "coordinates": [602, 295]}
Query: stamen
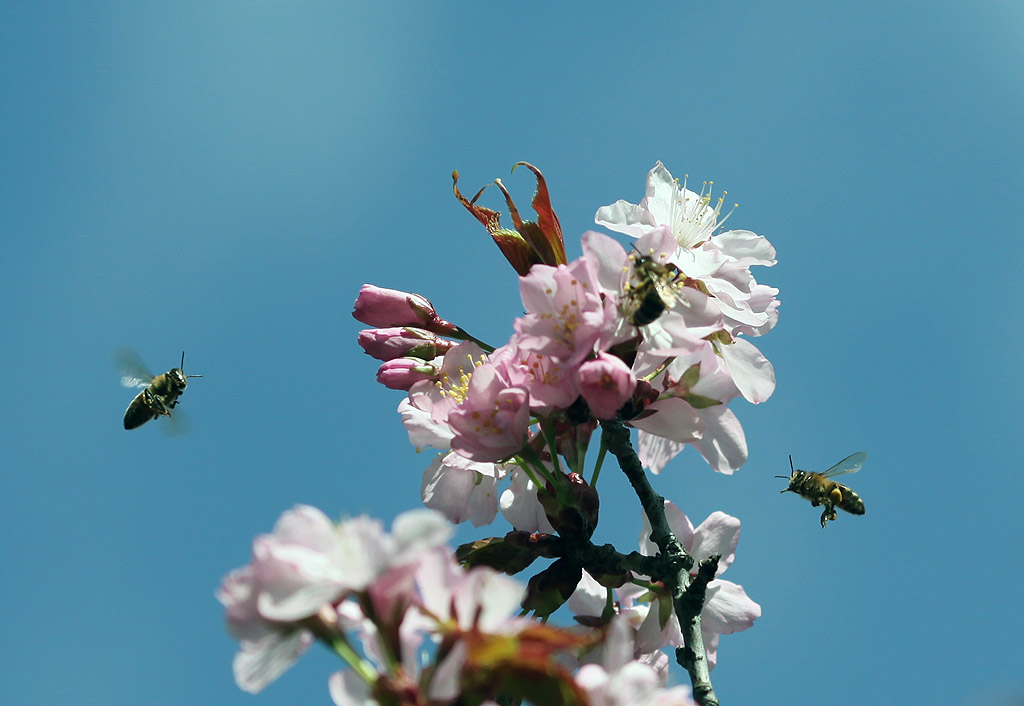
{"type": "Point", "coordinates": [692, 217]}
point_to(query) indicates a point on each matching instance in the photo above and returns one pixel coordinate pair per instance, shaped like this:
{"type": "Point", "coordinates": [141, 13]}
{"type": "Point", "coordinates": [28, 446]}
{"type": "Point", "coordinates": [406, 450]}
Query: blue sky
{"type": "Point", "coordinates": [221, 178]}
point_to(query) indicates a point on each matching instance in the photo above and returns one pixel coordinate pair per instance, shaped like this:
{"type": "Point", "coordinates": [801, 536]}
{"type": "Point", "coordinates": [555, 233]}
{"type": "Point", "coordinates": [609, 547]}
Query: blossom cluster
{"type": "Point", "coordinates": [655, 336]}
{"type": "Point", "coordinates": [578, 354]}
{"type": "Point", "coordinates": [415, 626]}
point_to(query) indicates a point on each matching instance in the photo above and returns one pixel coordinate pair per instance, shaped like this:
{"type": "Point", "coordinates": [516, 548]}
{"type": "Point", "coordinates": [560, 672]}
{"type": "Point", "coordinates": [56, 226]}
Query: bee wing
{"type": "Point", "coordinates": [133, 371]}
{"type": "Point", "coordinates": [850, 464]}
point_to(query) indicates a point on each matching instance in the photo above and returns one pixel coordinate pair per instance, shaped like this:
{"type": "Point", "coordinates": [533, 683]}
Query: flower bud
{"type": "Point", "coordinates": [403, 373]}
{"type": "Point", "coordinates": [605, 383]}
{"type": "Point", "coordinates": [382, 307]}
{"type": "Point", "coordinates": [402, 342]}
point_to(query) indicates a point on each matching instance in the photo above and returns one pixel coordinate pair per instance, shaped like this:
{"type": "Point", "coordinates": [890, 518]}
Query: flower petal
{"type": "Point", "coordinates": [723, 445]}
{"type": "Point", "coordinates": [259, 663]}
{"type": "Point", "coordinates": [751, 371]}
{"type": "Point", "coordinates": [719, 534]}
{"type": "Point", "coordinates": [727, 608]}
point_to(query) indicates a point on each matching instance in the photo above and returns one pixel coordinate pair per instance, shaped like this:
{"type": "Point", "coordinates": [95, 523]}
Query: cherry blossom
{"type": "Point", "coordinates": [306, 567]}
{"type": "Point", "coordinates": [727, 609]}
{"type": "Point", "coordinates": [621, 680]}
{"type": "Point", "coordinates": [461, 489]}
{"type": "Point", "coordinates": [720, 261]}
{"type": "Point", "coordinates": [564, 311]}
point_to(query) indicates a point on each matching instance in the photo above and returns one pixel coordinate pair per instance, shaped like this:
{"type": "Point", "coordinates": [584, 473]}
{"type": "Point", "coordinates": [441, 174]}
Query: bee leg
{"type": "Point", "coordinates": [827, 514]}
{"type": "Point", "coordinates": [836, 496]}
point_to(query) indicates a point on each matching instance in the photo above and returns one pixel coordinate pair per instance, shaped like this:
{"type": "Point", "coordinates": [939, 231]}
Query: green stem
{"type": "Point", "coordinates": [601, 453]}
{"type": "Point", "coordinates": [360, 666]}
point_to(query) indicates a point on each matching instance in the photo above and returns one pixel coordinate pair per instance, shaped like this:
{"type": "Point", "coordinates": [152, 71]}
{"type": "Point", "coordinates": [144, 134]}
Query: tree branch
{"type": "Point", "coordinates": [687, 596]}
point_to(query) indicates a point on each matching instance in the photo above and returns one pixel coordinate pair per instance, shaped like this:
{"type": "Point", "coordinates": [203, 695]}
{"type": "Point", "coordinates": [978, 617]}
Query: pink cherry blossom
{"type": "Point", "coordinates": [438, 397]}
{"type": "Point", "coordinates": [549, 381]}
{"type": "Point", "coordinates": [682, 325]}
{"type": "Point", "coordinates": [564, 311]}
{"type": "Point", "coordinates": [491, 422]}
{"type": "Point", "coordinates": [304, 569]}
{"type": "Point", "coordinates": [454, 485]}
{"type": "Point", "coordinates": [309, 561]}
{"type": "Point", "coordinates": [480, 599]}
{"type": "Point", "coordinates": [716, 431]}
{"type": "Point", "coordinates": [266, 648]}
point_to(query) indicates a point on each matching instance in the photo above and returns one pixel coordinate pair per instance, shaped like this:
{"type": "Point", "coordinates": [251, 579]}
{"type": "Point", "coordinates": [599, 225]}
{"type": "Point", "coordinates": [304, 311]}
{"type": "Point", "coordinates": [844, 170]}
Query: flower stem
{"type": "Point", "coordinates": [360, 666]}
{"type": "Point", "coordinates": [601, 453]}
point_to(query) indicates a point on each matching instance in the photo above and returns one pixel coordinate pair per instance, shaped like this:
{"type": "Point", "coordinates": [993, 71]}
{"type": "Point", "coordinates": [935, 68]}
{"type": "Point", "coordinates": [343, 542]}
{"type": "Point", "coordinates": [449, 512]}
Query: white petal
{"type": "Point", "coordinates": [349, 689]}
{"type": "Point", "coordinates": [673, 419]}
{"type": "Point", "coordinates": [589, 597]}
{"type": "Point", "coordinates": [727, 608]}
{"type": "Point", "coordinates": [723, 445]}
{"type": "Point", "coordinates": [656, 451]}
{"type": "Point", "coordinates": [751, 371]}
{"type": "Point", "coordinates": [422, 430]}
{"type": "Point", "coordinates": [416, 531]}
{"type": "Point", "coordinates": [520, 507]}
{"type": "Point", "coordinates": [746, 247]}
{"type": "Point", "coordinates": [719, 534]}
{"type": "Point", "coordinates": [624, 217]}
{"type": "Point", "coordinates": [259, 663]}
{"type": "Point", "coordinates": [452, 491]}
{"type": "Point", "coordinates": [662, 193]}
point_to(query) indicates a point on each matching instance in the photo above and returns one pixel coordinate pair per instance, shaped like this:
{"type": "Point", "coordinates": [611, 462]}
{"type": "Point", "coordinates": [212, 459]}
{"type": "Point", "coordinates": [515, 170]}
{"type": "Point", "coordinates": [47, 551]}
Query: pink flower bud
{"type": "Point", "coordinates": [605, 383]}
{"type": "Point", "coordinates": [377, 306]}
{"type": "Point", "coordinates": [403, 373]}
{"type": "Point", "coordinates": [402, 341]}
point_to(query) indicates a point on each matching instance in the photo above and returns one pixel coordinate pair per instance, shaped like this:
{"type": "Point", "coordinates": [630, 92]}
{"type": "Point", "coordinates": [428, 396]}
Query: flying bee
{"type": "Point", "coordinates": [161, 393]}
{"type": "Point", "coordinates": [651, 288]}
{"type": "Point", "coordinates": [821, 490]}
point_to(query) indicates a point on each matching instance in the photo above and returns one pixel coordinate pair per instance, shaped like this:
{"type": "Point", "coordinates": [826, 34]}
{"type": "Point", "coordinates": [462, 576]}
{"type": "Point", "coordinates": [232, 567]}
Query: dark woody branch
{"type": "Point", "coordinates": [674, 565]}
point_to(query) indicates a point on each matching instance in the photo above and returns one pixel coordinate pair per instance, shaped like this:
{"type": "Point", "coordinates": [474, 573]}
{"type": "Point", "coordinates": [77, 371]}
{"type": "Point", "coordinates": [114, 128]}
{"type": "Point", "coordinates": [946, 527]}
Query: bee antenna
{"type": "Point", "coordinates": [791, 463]}
{"type": "Point", "coordinates": [182, 368]}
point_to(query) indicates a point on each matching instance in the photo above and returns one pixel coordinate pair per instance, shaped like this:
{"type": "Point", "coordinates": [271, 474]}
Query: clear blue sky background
{"type": "Point", "coordinates": [221, 177]}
